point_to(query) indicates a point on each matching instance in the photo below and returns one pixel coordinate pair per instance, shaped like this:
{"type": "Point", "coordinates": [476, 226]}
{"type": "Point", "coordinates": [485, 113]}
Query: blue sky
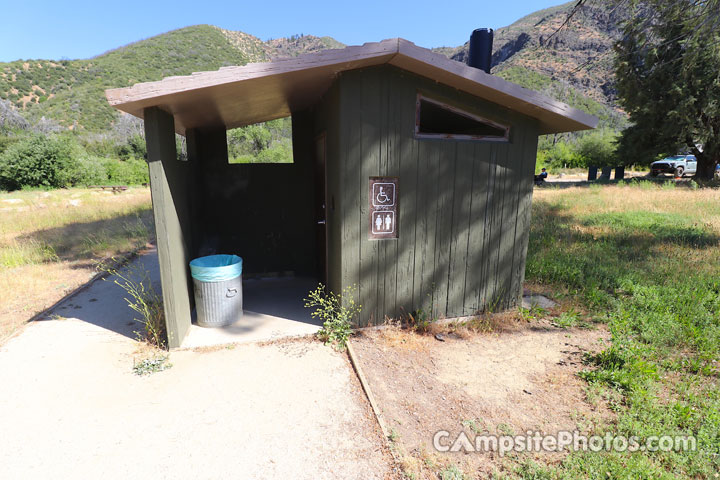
{"type": "Point", "coordinates": [53, 29]}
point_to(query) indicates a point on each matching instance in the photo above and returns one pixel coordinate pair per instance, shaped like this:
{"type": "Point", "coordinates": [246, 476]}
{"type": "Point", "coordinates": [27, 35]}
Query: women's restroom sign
{"type": "Point", "coordinates": [383, 197]}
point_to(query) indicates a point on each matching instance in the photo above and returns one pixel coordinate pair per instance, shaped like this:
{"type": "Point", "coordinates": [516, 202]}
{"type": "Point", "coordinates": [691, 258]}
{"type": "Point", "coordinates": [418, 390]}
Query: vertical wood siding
{"type": "Point", "coordinates": [464, 206]}
{"type": "Point", "coordinates": [171, 197]}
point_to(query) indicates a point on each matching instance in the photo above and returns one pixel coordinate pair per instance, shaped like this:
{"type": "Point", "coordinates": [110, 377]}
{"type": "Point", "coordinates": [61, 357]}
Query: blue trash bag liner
{"type": "Point", "coordinates": [216, 268]}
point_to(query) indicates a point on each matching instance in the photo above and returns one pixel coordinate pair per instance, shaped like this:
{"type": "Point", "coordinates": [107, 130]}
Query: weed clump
{"type": "Point", "coordinates": [144, 300]}
{"type": "Point", "coordinates": [154, 364]}
{"type": "Point", "coordinates": [336, 311]}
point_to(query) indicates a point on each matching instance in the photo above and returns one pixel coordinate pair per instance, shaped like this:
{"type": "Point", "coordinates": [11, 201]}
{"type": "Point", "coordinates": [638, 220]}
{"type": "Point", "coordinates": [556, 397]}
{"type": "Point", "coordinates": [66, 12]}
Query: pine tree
{"type": "Point", "coordinates": [668, 76]}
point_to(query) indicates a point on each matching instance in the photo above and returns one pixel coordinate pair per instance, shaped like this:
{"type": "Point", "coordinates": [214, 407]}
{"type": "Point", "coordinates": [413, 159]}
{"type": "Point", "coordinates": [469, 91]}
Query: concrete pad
{"type": "Point", "coordinates": [253, 327]}
{"type": "Point", "coordinates": [272, 308]}
{"type": "Point", "coordinates": [103, 303]}
{"type": "Point", "coordinates": [70, 406]}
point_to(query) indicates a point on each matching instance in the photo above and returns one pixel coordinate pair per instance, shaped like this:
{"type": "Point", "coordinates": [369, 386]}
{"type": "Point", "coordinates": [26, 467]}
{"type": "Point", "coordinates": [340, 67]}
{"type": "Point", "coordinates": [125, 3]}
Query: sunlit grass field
{"type": "Point", "coordinates": [645, 260]}
{"type": "Point", "coordinates": [50, 243]}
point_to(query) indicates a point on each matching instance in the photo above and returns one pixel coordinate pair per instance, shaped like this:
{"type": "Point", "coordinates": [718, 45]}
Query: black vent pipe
{"type": "Point", "coordinates": [480, 54]}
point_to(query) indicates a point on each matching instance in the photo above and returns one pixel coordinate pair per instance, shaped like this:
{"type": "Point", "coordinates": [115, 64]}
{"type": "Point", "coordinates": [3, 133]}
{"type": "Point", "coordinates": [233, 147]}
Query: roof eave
{"type": "Point", "coordinates": [181, 93]}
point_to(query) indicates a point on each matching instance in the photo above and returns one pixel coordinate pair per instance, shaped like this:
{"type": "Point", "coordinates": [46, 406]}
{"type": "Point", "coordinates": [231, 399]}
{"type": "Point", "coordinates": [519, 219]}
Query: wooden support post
{"type": "Point", "coordinates": [169, 188]}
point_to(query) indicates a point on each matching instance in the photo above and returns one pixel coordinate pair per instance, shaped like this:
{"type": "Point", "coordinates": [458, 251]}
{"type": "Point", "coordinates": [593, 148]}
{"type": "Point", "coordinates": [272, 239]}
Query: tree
{"type": "Point", "coordinates": [667, 68]}
{"type": "Point", "coordinates": [39, 161]}
{"type": "Point", "coordinates": [598, 148]}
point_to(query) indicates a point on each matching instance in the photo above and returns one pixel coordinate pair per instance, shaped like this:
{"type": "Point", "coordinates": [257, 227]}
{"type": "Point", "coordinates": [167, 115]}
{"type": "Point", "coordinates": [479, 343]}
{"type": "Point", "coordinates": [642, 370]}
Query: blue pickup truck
{"type": "Point", "coordinates": [677, 165]}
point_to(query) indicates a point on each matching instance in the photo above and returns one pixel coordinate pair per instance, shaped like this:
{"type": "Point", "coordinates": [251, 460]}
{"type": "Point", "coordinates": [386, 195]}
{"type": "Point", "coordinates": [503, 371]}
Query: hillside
{"type": "Point", "coordinates": [71, 92]}
{"type": "Point", "coordinates": [579, 55]}
{"type": "Point", "coordinates": [573, 65]}
{"type": "Point", "coordinates": [300, 44]}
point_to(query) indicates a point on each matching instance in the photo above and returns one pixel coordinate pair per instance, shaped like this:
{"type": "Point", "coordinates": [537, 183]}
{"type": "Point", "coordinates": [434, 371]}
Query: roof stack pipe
{"type": "Point", "coordinates": [480, 54]}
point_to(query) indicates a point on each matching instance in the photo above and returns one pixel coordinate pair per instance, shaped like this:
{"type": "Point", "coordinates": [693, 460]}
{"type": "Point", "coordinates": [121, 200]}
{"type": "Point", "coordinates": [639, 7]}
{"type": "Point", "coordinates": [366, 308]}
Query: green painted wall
{"type": "Point", "coordinates": [464, 205]}
{"type": "Point", "coordinates": [172, 194]}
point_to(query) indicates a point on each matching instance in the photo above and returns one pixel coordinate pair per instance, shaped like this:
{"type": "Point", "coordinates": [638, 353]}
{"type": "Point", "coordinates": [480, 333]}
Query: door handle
{"type": "Point", "coordinates": [321, 222]}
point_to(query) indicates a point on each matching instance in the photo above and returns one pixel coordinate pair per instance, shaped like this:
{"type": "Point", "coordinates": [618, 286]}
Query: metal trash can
{"type": "Point", "coordinates": [217, 281]}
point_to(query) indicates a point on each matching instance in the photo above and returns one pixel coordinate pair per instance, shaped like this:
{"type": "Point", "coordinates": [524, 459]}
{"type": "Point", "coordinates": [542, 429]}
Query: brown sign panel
{"type": "Point", "coordinates": [383, 200]}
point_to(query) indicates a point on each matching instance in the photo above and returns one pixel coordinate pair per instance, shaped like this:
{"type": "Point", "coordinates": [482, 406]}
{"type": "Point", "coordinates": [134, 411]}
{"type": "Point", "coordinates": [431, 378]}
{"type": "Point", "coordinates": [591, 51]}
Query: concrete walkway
{"type": "Point", "coordinates": [70, 406]}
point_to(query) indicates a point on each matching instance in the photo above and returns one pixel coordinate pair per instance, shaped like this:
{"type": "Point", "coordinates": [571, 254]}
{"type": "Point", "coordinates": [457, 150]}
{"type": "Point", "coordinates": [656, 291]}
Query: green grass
{"type": "Point", "coordinates": [452, 472]}
{"type": "Point", "coordinates": [646, 260]}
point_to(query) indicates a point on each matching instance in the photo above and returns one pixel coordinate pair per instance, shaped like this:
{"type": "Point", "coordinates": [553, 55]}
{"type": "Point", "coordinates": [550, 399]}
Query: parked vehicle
{"type": "Point", "coordinates": [677, 165]}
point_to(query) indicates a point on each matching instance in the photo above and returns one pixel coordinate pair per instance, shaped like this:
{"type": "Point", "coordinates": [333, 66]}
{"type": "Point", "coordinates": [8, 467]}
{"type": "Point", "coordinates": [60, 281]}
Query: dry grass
{"type": "Point", "coordinates": [651, 197]}
{"type": "Point", "coordinates": [50, 243]}
{"type": "Point", "coordinates": [476, 382]}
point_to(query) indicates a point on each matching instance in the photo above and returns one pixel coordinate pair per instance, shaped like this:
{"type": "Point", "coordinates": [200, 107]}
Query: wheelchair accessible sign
{"type": "Point", "coordinates": [383, 196]}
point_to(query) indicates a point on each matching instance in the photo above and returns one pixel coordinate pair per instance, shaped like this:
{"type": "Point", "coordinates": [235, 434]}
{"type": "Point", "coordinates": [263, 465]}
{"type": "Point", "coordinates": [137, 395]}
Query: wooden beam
{"type": "Point", "coordinates": [168, 183]}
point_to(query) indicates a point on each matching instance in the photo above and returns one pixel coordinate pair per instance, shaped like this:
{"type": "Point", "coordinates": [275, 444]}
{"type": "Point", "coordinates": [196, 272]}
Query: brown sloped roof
{"type": "Point", "coordinates": [257, 92]}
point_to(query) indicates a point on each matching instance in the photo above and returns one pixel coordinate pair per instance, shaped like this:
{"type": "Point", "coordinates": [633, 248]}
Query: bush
{"type": "Point", "coordinates": [134, 147]}
{"type": "Point", "coordinates": [598, 148]}
{"type": "Point", "coordinates": [561, 155]}
{"type": "Point", "coordinates": [126, 172]}
{"type": "Point", "coordinates": [595, 148]}
{"type": "Point", "coordinates": [39, 161]}
{"type": "Point", "coordinates": [90, 171]}
{"type": "Point", "coordinates": [5, 142]}
{"type": "Point", "coordinates": [337, 312]}
{"type": "Point", "coordinates": [268, 142]}
{"type": "Point", "coordinates": [279, 153]}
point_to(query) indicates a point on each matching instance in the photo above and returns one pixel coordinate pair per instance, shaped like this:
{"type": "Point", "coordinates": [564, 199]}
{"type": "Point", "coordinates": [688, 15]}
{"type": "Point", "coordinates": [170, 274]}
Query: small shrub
{"type": "Point", "coordinates": [420, 320]}
{"type": "Point", "coordinates": [535, 312]}
{"type": "Point", "coordinates": [336, 311]}
{"type": "Point", "coordinates": [146, 366]}
{"type": "Point", "coordinates": [567, 319]}
{"type": "Point", "coordinates": [144, 300]}
{"type": "Point", "coordinates": [477, 426]}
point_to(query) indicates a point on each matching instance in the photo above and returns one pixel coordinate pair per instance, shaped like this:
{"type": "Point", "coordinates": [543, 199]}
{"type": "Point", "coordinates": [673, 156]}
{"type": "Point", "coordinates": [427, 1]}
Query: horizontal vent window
{"type": "Point", "coordinates": [435, 119]}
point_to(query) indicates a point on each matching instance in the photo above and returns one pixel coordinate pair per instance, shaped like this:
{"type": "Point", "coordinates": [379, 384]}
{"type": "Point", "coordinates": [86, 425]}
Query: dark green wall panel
{"type": "Point", "coordinates": [464, 206]}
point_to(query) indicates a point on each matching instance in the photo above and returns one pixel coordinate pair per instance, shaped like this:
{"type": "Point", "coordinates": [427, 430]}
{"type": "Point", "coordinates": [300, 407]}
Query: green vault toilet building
{"type": "Point", "coordinates": [411, 177]}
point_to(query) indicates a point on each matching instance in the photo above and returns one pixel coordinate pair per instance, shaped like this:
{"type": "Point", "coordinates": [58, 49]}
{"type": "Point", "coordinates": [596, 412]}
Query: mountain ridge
{"type": "Point", "coordinates": [532, 52]}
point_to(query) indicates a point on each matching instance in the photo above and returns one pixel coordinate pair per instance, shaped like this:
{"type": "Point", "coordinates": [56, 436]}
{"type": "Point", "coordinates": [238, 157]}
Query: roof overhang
{"type": "Point", "coordinates": [238, 96]}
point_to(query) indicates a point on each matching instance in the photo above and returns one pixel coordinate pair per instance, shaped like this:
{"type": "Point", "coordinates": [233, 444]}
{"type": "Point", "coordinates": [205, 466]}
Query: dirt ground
{"type": "Point", "coordinates": [523, 378]}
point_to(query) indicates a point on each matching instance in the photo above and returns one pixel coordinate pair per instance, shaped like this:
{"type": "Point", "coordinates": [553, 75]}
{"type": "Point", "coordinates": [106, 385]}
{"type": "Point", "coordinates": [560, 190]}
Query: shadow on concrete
{"type": "Point", "coordinates": [281, 297]}
{"type": "Point", "coordinates": [102, 303]}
